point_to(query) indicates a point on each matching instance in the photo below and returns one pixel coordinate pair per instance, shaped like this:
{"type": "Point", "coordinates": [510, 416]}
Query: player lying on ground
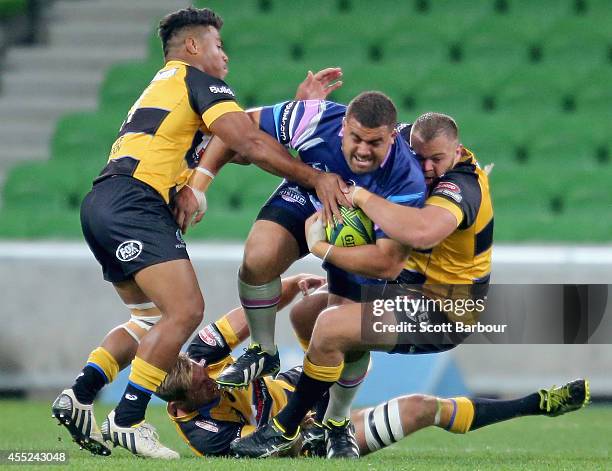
{"type": "Point", "coordinates": [209, 418]}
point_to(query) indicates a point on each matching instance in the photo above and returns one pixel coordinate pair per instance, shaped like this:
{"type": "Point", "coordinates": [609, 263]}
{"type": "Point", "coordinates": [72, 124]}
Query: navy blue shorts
{"type": "Point", "coordinates": [128, 226]}
{"type": "Point", "coordinates": [289, 206]}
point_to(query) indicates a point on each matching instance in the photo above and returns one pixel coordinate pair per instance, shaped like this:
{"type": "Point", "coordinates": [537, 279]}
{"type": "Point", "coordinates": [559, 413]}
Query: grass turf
{"type": "Point", "coordinates": [578, 440]}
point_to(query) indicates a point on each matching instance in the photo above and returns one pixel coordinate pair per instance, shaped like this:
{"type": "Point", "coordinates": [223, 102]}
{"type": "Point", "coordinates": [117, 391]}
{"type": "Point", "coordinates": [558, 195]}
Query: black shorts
{"type": "Point", "coordinates": [431, 313]}
{"type": "Point", "coordinates": [128, 226]}
{"type": "Point", "coordinates": [289, 206]}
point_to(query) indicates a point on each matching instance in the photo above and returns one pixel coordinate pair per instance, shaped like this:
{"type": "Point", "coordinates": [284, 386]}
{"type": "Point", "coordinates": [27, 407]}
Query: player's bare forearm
{"type": "Point", "coordinates": [414, 227]}
{"type": "Point", "coordinates": [369, 260]}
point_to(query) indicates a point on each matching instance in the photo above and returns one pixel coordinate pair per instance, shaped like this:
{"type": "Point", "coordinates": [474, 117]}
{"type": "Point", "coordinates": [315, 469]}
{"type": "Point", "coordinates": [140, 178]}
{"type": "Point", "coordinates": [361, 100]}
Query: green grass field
{"type": "Point", "coordinates": [580, 440]}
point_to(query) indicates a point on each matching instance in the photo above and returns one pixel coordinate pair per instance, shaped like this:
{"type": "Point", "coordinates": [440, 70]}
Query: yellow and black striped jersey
{"type": "Point", "coordinates": [464, 257]}
{"type": "Point", "coordinates": [210, 429]}
{"type": "Point", "coordinates": [159, 140]}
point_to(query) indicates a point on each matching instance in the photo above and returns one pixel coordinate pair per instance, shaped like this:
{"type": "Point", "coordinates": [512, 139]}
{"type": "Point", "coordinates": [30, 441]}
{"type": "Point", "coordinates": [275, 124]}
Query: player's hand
{"type": "Point", "coordinates": [352, 195]}
{"type": "Point", "coordinates": [318, 86]}
{"type": "Point", "coordinates": [308, 283]}
{"type": "Point", "coordinates": [188, 207]}
{"type": "Point", "coordinates": [315, 230]}
{"type": "Point", "coordinates": [331, 191]}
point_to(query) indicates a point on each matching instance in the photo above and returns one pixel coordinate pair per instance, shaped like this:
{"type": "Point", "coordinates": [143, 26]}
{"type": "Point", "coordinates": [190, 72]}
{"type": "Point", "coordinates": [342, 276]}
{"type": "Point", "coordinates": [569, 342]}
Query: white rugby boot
{"type": "Point", "coordinates": [140, 439]}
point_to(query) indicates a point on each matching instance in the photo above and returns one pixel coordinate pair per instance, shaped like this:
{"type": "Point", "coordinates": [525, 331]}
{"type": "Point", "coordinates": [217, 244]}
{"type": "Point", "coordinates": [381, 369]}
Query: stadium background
{"type": "Point", "coordinates": [529, 83]}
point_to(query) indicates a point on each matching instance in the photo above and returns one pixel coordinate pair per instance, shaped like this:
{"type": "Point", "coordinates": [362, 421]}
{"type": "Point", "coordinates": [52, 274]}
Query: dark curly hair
{"type": "Point", "coordinates": [174, 22]}
{"type": "Point", "coordinates": [372, 110]}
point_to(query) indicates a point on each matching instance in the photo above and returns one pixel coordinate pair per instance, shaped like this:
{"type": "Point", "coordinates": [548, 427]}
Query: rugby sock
{"type": "Point", "coordinates": [491, 411]}
{"type": "Point", "coordinates": [342, 393]}
{"type": "Point", "coordinates": [260, 304]}
{"type": "Point", "coordinates": [314, 381]}
{"type": "Point", "coordinates": [144, 380]}
{"type": "Point", "coordinates": [471, 414]}
{"type": "Point", "coordinates": [101, 369]}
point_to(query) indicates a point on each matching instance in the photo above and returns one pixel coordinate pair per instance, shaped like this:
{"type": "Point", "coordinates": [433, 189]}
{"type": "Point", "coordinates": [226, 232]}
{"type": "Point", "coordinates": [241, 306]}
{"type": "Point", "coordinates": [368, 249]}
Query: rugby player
{"type": "Point", "coordinates": [360, 143]}
{"type": "Point", "coordinates": [454, 232]}
{"type": "Point", "coordinates": [209, 419]}
{"type": "Point", "coordinates": [129, 226]}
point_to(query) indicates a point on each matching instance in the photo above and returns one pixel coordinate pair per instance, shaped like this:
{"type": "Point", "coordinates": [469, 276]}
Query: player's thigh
{"type": "Point", "coordinates": [346, 328]}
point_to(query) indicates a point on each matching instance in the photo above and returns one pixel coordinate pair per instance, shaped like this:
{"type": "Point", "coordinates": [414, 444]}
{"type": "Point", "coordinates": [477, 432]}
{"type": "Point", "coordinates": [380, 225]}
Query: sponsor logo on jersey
{"type": "Point", "coordinates": [448, 186]}
{"type": "Point", "coordinates": [131, 397]}
{"type": "Point", "coordinates": [129, 250]}
{"type": "Point", "coordinates": [292, 195]}
{"type": "Point", "coordinates": [210, 337]}
{"type": "Point", "coordinates": [206, 425]}
{"type": "Point", "coordinates": [221, 89]}
{"type": "Point", "coordinates": [451, 194]}
{"type": "Point", "coordinates": [283, 129]}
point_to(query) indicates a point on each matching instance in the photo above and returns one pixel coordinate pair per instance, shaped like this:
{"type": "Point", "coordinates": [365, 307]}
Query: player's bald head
{"type": "Point", "coordinates": [428, 126]}
{"type": "Point", "coordinates": [174, 26]}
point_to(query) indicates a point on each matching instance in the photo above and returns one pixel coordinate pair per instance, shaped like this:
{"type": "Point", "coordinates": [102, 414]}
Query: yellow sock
{"type": "Point", "coordinates": [102, 358]}
{"type": "Point", "coordinates": [146, 375]}
{"type": "Point", "coordinates": [462, 415]}
{"type": "Point", "coordinates": [228, 332]}
{"type": "Point", "coordinates": [329, 374]}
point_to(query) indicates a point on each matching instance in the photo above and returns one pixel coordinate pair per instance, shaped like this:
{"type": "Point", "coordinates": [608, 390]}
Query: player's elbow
{"type": "Point", "coordinates": [390, 270]}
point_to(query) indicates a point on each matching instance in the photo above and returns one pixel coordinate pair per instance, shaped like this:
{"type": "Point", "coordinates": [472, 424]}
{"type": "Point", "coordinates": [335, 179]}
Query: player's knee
{"type": "Point", "coordinates": [190, 315]}
{"type": "Point", "coordinates": [420, 407]}
{"type": "Point", "coordinates": [259, 266]}
{"type": "Point", "coordinates": [327, 335]}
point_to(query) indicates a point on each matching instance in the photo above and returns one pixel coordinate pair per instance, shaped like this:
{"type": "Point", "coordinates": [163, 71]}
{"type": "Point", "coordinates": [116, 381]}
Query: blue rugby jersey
{"type": "Point", "coordinates": [314, 129]}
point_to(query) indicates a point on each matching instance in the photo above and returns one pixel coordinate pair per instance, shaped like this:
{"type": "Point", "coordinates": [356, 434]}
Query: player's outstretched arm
{"type": "Point", "coordinates": [240, 134]}
{"type": "Point", "coordinates": [419, 228]}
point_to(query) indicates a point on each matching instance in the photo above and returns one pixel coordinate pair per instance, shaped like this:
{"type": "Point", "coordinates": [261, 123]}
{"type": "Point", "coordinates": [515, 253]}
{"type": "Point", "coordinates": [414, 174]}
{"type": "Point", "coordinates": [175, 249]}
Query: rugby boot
{"type": "Point", "coordinates": [560, 400]}
{"type": "Point", "coordinates": [80, 422]}
{"type": "Point", "coordinates": [269, 440]}
{"type": "Point", "coordinates": [252, 364]}
{"type": "Point", "coordinates": [140, 439]}
{"type": "Point", "coordinates": [313, 441]}
{"type": "Point", "coordinates": [340, 441]}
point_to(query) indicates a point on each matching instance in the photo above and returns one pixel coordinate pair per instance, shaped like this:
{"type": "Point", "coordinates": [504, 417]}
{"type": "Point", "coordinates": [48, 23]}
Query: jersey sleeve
{"type": "Point", "coordinates": [210, 437]}
{"type": "Point", "coordinates": [209, 97]}
{"type": "Point", "coordinates": [209, 345]}
{"type": "Point", "coordinates": [296, 124]}
{"type": "Point", "coordinates": [459, 193]}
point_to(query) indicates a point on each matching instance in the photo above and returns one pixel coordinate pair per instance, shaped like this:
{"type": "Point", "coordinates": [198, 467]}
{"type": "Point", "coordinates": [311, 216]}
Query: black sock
{"type": "Point", "coordinates": [133, 405]}
{"type": "Point", "coordinates": [88, 384]}
{"type": "Point", "coordinates": [321, 407]}
{"type": "Point", "coordinates": [307, 392]}
{"type": "Point", "coordinates": [491, 411]}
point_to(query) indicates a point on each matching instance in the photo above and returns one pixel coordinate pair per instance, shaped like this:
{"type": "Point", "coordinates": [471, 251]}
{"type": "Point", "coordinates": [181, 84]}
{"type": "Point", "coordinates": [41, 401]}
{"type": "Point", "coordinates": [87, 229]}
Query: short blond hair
{"type": "Point", "coordinates": [430, 125]}
{"type": "Point", "coordinates": [177, 383]}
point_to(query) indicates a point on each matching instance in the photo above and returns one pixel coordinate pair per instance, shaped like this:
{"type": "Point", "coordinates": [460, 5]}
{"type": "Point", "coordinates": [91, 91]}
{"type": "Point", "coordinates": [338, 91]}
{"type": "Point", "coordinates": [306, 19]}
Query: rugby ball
{"type": "Point", "coordinates": [357, 229]}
